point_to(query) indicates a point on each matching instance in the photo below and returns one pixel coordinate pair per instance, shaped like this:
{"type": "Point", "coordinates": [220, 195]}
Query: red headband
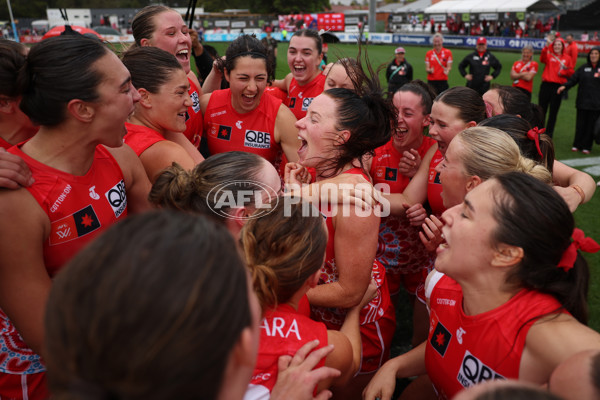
{"type": "Point", "coordinates": [534, 134]}
{"type": "Point", "coordinates": [581, 242]}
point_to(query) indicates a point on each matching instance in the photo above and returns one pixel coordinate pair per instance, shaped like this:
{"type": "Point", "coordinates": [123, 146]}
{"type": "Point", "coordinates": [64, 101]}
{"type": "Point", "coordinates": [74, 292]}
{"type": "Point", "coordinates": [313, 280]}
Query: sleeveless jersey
{"type": "Point", "coordinates": [445, 57]}
{"type": "Point", "coordinates": [282, 332]}
{"type": "Point", "coordinates": [434, 186]}
{"type": "Point", "coordinates": [464, 350]}
{"type": "Point", "coordinates": [4, 144]}
{"type": "Point", "coordinates": [193, 116]}
{"type": "Point", "coordinates": [333, 317]}
{"type": "Point", "coordinates": [300, 97]}
{"type": "Point", "coordinates": [79, 208]}
{"type": "Point", "coordinates": [139, 137]}
{"type": "Point", "coordinates": [520, 66]}
{"type": "Point", "coordinates": [400, 249]}
{"type": "Point", "coordinates": [254, 132]}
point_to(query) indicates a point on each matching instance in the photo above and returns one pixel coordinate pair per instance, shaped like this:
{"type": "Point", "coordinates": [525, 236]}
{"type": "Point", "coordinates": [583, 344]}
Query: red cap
{"type": "Point", "coordinates": [268, 29]}
{"type": "Point", "coordinates": [481, 40]}
{"type": "Point", "coordinates": [400, 50]}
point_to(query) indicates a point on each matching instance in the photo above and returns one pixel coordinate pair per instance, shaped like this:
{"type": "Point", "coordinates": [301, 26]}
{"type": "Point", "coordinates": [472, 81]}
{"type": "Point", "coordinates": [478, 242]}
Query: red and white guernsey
{"type": "Point", "coordinates": [253, 132]}
{"type": "Point", "coordinates": [193, 117]}
{"type": "Point", "coordinates": [139, 137]}
{"type": "Point", "coordinates": [400, 249]}
{"type": "Point", "coordinates": [282, 332]}
{"type": "Point", "coordinates": [79, 209]}
{"type": "Point", "coordinates": [463, 350]}
{"type": "Point", "coordinates": [300, 97]}
{"type": "Point", "coordinates": [377, 319]}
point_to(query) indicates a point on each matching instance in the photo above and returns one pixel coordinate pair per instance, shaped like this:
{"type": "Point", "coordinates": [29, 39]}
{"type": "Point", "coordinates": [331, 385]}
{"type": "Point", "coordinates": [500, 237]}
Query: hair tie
{"type": "Point", "coordinates": [534, 134]}
{"type": "Point", "coordinates": [587, 244]}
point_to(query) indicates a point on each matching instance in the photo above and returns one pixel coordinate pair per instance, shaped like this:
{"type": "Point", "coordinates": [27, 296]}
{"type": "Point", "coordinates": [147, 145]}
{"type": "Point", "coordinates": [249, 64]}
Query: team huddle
{"type": "Point", "coordinates": [238, 237]}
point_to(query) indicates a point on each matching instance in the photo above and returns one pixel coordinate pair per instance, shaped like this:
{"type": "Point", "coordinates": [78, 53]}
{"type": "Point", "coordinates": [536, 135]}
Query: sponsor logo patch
{"type": "Point", "coordinates": [391, 174]}
{"type": "Point", "coordinates": [222, 132]}
{"type": "Point", "coordinates": [195, 102]}
{"type": "Point", "coordinates": [440, 339]}
{"type": "Point", "coordinates": [117, 198]}
{"type": "Point", "coordinates": [257, 139]}
{"type": "Point", "coordinates": [306, 102]}
{"type": "Point", "coordinates": [472, 371]}
{"type": "Point", "coordinates": [74, 226]}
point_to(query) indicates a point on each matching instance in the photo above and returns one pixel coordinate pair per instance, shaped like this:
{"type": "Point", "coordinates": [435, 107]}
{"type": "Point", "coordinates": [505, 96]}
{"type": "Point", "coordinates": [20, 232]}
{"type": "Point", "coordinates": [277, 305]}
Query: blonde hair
{"type": "Point", "coordinates": [487, 152]}
{"type": "Point", "coordinates": [283, 249]}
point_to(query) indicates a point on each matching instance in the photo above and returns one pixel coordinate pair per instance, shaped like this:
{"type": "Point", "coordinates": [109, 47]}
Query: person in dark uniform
{"type": "Point", "coordinates": [480, 63]}
{"type": "Point", "coordinates": [398, 72]}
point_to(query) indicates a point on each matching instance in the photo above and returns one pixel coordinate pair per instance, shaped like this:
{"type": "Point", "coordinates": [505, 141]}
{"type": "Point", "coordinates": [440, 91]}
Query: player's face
{"type": "Point", "coordinates": [170, 104]}
{"type": "Point", "coordinates": [411, 119]}
{"type": "Point", "coordinates": [303, 59]}
{"type": "Point", "coordinates": [171, 34]}
{"type": "Point", "coordinates": [527, 54]}
{"type": "Point", "coordinates": [247, 81]}
{"type": "Point", "coordinates": [437, 43]}
{"type": "Point", "coordinates": [453, 177]}
{"type": "Point", "coordinates": [338, 78]}
{"type": "Point", "coordinates": [468, 248]}
{"type": "Point", "coordinates": [594, 56]}
{"type": "Point", "coordinates": [445, 124]}
{"type": "Point", "coordinates": [317, 132]}
{"type": "Point", "coordinates": [117, 99]}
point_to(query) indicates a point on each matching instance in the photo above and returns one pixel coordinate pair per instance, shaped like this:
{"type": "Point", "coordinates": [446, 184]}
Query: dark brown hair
{"type": "Point", "coordinates": [145, 311]}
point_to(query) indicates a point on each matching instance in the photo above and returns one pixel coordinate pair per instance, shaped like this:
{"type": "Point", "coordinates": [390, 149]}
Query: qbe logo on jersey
{"type": "Point", "coordinates": [117, 198]}
{"type": "Point", "coordinates": [472, 371]}
{"type": "Point", "coordinates": [306, 102]}
{"type": "Point", "coordinates": [257, 139]}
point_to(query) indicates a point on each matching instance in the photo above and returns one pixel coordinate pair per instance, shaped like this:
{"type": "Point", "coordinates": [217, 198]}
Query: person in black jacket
{"type": "Point", "coordinates": [587, 102]}
{"type": "Point", "coordinates": [480, 63]}
{"type": "Point", "coordinates": [398, 71]}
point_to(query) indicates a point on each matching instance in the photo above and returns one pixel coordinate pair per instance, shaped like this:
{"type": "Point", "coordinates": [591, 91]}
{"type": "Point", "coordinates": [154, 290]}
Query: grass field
{"type": "Point", "coordinates": [587, 216]}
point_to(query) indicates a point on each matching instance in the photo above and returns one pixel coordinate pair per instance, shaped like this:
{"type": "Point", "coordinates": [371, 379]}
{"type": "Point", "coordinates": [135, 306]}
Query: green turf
{"type": "Point", "coordinates": [586, 216]}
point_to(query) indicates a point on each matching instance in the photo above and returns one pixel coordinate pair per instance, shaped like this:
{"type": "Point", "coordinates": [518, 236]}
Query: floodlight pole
{"type": "Point", "coordinates": [12, 21]}
{"type": "Point", "coordinates": [372, 20]}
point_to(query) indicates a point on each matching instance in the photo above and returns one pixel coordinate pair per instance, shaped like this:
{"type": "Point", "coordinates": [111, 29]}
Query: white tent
{"type": "Point", "coordinates": [489, 6]}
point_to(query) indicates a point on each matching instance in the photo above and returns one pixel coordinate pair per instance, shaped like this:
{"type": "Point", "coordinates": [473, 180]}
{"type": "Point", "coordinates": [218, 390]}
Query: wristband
{"type": "Point", "coordinates": [580, 191]}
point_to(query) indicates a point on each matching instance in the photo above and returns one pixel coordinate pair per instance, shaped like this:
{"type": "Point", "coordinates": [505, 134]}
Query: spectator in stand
{"type": "Point", "coordinates": [585, 36]}
{"type": "Point", "coordinates": [438, 63]}
{"type": "Point", "coordinates": [480, 62]}
{"type": "Point", "coordinates": [571, 49]}
{"type": "Point", "coordinates": [588, 100]}
{"type": "Point", "coordinates": [399, 71]}
{"type": "Point", "coordinates": [524, 70]}
{"type": "Point", "coordinates": [558, 69]}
